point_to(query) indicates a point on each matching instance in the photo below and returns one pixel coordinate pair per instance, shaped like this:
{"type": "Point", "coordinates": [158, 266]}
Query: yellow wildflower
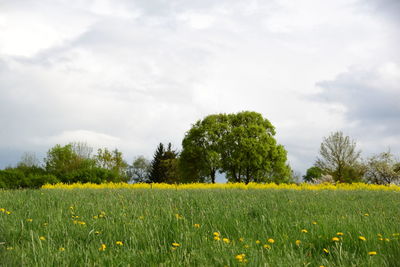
{"type": "Point", "coordinates": [119, 243]}
{"type": "Point", "coordinates": [61, 249]}
{"type": "Point", "coordinates": [178, 216]}
{"type": "Point", "coordinates": [176, 244]}
{"type": "Point", "coordinates": [339, 233]}
{"type": "Point", "coordinates": [97, 233]}
{"type": "Point", "coordinates": [387, 239]}
{"type": "Point", "coordinates": [10, 248]}
{"type": "Point", "coordinates": [372, 253]}
{"type": "Point", "coordinates": [29, 220]}
{"type": "Point", "coordinates": [216, 234]}
{"type": "Point", "coordinates": [298, 242]}
{"type": "Point", "coordinates": [304, 231]}
{"type": "Point", "coordinates": [267, 246]}
{"type": "Point", "coordinates": [314, 223]}
{"type": "Point", "coordinates": [241, 239]}
{"type": "Point", "coordinates": [95, 217]}
{"type": "Point", "coordinates": [258, 241]}
{"type": "Point", "coordinates": [8, 212]}
{"type": "Point", "coordinates": [241, 257]}
{"type": "Point", "coordinates": [326, 251]}
{"type": "Point", "coordinates": [226, 240]}
{"type": "Point", "coordinates": [2, 210]}
{"type": "Point", "coordinates": [246, 246]}
{"type": "Point", "coordinates": [335, 239]}
{"type": "Point", "coordinates": [196, 225]}
{"type": "Point", "coordinates": [217, 238]}
{"type": "Point", "coordinates": [271, 241]}
{"type": "Point", "coordinates": [102, 247]}
{"type": "Point", "coordinates": [362, 238]}
{"type": "Point", "coordinates": [42, 238]}
{"type": "Point", "coordinates": [366, 214]}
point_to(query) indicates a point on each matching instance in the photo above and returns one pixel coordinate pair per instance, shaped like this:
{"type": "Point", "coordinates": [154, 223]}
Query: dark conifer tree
{"type": "Point", "coordinates": [156, 172]}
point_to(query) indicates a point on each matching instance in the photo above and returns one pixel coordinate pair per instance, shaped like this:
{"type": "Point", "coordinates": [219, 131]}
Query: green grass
{"type": "Point", "coordinates": [147, 224]}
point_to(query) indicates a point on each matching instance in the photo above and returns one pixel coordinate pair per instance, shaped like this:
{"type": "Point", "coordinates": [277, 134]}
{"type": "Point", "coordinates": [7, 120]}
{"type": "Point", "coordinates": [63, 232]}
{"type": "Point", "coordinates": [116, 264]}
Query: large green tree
{"type": "Point", "coordinates": [200, 158]}
{"type": "Point", "coordinates": [241, 145]}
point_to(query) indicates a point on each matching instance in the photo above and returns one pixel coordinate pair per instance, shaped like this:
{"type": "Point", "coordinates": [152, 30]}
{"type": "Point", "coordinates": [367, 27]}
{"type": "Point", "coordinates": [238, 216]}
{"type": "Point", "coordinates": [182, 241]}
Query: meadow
{"type": "Point", "coordinates": [220, 226]}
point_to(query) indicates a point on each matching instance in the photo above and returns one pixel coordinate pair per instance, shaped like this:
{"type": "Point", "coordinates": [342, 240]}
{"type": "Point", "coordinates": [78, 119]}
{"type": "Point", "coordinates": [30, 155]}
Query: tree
{"type": "Point", "coordinates": [156, 172]}
{"type": "Point", "coordinates": [139, 171]}
{"type": "Point", "coordinates": [339, 157]}
{"type": "Point", "coordinates": [241, 145]}
{"type": "Point", "coordinates": [112, 161]}
{"type": "Point", "coordinates": [28, 160]}
{"type": "Point", "coordinates": [169, 166]}
{"type": "Point", "coordinates": [382, 169]}
{"type": "Point", "coordinates": [313, 173]}
{"type": "Point", "coordinates": [200, 158]}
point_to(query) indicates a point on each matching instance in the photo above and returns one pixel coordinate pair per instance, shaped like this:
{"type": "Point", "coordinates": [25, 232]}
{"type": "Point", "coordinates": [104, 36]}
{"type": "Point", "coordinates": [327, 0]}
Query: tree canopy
{"type": "Point", "coordinates": [241, 145]}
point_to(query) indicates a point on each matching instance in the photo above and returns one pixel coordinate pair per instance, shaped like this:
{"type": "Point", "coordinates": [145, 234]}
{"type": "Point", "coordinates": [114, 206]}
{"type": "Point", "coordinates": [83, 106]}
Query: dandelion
{"type": "Point", "coordinates": [335, 239]}
{"type": "Point", "coordinates": [298, 242]}
{"type": "Point", "coordinates": [326, 251]}
{"type": "Point", "coordinates": [42, 238]}
{"type": "Point", "coordinates": [216, 234]}
{"type": "Point", "coordinates": [119, 243]}
{"type": "Point", "coordinates": [61, 249]}
{"type": "Point", "coordinates": [246, 246]}
{"type": "Point", "coordinates": [226, 240]}
{"type": "Point", "coordinates": [241, 257]}
{"type": "Point", "coordinates": [241, 239]}
{"type": "Point", "coordinates": [176, 245]}
{"type": "Point", "coordinates": [45, 224]}
{"type": "Point", "coordinates": [271, 241]}
{"type": "Point", "coordinates": [372, 253]}
{"type": "Point", "coordinates": [362, 238]}
{"type": "Point", "coordinates": [387, 239]}
{"type": "Point", "coordinates": [267, 246]}
{"type": "Point", "coordinates": [8, 212]}
{"type": "Point", "coordinates": [314, 223]}
{"type": "Point", "coordinates": [95, 217]}
{"type": "Point", "coordinates": [10, 248]}
{"type": "Point", "coordinates": [217, 238]}
{"type": "Point", "coordinates": [2, 210]}
{"type": "Point", "coordinates": [366, 214]}
{"type": "Point", "coordinates": [178, 216]}
{"type": "Point", "coordinates": [258, 241]}
{"type": "Point", "coordinates": [102, 247]}
{"type": "Point", "coordinates": [97, 233]}
{"type": "Point", "coordinates": [339, 234]}
{"type": "Point", "coordinates": [29, 220]}
{"type": "Point", "coordinates": [304, 231]}
{"type": "Point", "coordinates": [196, 225]}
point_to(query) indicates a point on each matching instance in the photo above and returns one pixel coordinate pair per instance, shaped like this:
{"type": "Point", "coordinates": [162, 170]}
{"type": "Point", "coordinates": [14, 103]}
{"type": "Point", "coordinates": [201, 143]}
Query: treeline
{"type": "Point", "coordinates": [340, 161]}
{"type": "Point", "coordinates": [242, 146]}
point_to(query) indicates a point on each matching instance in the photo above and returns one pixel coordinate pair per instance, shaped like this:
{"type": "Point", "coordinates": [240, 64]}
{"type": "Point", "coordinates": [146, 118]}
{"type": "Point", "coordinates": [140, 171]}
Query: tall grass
{"type": "Point", "coordinates": [82, 227]}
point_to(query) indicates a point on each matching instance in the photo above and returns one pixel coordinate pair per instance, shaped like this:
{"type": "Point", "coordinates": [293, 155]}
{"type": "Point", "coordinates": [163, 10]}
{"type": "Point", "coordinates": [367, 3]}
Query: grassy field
{"type": "Point", "coordinates": [214, 227]}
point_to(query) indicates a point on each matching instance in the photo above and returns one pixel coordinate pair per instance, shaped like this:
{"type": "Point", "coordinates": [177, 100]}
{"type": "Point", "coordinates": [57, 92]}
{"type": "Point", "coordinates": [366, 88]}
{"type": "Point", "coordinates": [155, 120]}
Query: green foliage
{"type": "Point", "coordinates": [112, 161]}
{"type": "Point", "coordinates": [339, 158]}
{"type": "Point", "coordinates": [164, 166]}
{"type": "Point", "coordinates": [139, 171]}
{"type": "Point", "coordinates": [242, 145]}
{"type": "Point", "coordinates": [14, 178]}
{"type": "Point", "coordinates": [313, 173]}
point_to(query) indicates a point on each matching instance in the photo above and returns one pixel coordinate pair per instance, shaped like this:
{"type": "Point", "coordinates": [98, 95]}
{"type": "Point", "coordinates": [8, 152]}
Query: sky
{"type": "Point", "coordinates": [130, 74]}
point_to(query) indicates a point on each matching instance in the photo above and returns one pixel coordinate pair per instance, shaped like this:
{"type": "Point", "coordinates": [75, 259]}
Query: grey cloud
{"type": "Point", "coordinates": [371, 101]}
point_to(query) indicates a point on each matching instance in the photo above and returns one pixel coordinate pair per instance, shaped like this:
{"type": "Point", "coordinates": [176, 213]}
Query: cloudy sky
{"type": "Point", "coordinates": [133, 73]}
